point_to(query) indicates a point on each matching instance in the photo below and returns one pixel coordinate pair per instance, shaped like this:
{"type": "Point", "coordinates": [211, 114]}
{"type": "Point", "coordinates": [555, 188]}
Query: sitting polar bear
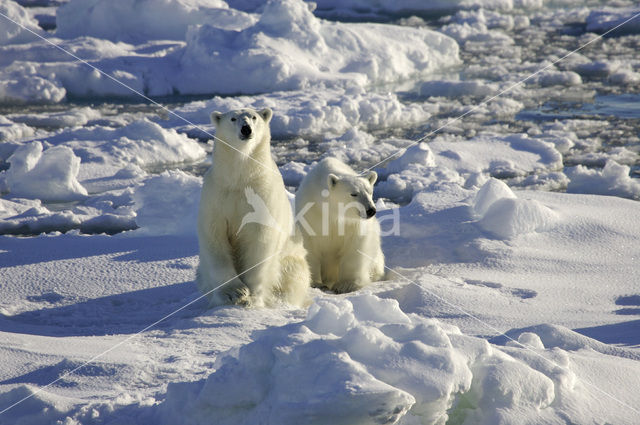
{"type": "Point", "coordinates": [335, 213]}
{"type": "Point", "coordinates": [248, 252]}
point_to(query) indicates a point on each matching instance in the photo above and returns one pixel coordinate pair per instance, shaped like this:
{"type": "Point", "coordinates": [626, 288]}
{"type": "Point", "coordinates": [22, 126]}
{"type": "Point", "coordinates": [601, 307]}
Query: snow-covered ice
{"type": "Point", "coordinates": [206, 46]}
{"type": "Point", "coordinates": [612, 180]}
{"type": "Point", "coordinates": [510, 223]}
{"type": "Point", "coordinates": [403, 347]}
{"type": "Point", "coordinates": [50, 175]}
{"type": "Point", "coordinates": [504, 215]}
{"type": "Point", "coordinates": [119, 20]}
{"type": "Point", "coordinates": [608, 19]}
{"type": "Point", "coordinates": [21, 31]}
{"type": "Point", "coordinates": [302, 113]}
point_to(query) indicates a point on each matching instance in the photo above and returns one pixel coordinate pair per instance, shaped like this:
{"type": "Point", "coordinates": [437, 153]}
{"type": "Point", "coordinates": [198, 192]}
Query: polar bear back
{"type": "Point", "coordinates": [315, 181]}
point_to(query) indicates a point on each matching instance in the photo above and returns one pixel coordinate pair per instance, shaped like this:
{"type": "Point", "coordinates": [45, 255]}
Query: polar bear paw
{"type": "Point", "coordinates": [238, 294]}
{"type": "Point", "coordinates": [346, 286]}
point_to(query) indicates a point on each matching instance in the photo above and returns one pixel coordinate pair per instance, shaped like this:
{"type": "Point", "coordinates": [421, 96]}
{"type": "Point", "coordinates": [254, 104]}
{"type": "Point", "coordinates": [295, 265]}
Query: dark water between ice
{"type": "Point", "coordinates": [620, 111]}
{"type": "Point", "coordinates": [622, 106]}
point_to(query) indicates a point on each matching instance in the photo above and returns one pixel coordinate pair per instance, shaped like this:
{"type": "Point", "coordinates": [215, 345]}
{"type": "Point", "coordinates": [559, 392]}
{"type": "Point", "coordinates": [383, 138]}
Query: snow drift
{"type": "Point", "coordinates": [362, 360]}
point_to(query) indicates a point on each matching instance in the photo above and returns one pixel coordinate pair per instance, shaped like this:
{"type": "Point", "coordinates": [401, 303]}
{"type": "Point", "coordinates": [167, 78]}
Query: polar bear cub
{"type": "Point", "coordinates": [249, 254]}
{"type": "Point", "coordinates": [335, 213]}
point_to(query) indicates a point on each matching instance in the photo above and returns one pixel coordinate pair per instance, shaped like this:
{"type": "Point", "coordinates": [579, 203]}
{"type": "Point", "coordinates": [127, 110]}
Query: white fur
{"type": "Point", "coordinates": [254, 257]}
{"type": "Point", "coordinates": [343, 245]}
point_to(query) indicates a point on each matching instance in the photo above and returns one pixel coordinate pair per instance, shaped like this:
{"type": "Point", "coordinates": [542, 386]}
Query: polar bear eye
{"type": "Point", "coordinates": [233, 119]}
{"type": "Point", "coordinates": [254, 117]}
{"type": "Point", "coordinates": [354, 194]}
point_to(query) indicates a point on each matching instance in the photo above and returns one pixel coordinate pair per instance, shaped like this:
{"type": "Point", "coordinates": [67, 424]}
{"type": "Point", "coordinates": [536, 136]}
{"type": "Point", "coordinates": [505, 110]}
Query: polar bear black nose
{"type": "Point", "coordinates": [245, 130]}
{"type": "Point", "coordinates": [371, 212]}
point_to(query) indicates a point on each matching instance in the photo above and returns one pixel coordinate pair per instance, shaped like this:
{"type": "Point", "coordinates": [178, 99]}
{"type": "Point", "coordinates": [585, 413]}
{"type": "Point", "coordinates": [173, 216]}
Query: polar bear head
{"type": "Point", "coordinates": [243, 129]}
{"type": "Point", "coordinates": [352, 196]}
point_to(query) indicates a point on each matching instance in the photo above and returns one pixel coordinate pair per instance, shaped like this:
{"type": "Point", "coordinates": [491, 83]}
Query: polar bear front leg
{"type": "Point", "coordinates": [217, 277]}
{"type": "Point", "coordinates": [354, 273]}
{"type": "Point", "coordinates": [315, 269]}
{"type": "Point", "coordinates": [261, 252]}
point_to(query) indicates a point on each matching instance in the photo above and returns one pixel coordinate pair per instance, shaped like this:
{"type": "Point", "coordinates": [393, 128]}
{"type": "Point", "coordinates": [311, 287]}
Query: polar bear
{"type": "Point", "coordinates": [249, 254]}
{"type": "Point", "coordinates": [335, 213]}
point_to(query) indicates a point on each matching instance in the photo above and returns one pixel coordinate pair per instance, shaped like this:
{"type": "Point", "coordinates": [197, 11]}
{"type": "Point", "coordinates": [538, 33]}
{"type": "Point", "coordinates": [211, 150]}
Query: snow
{"type": "Point", "coordinates": [207, 46]}
{"type": "Point", "coordinates": [401, 347]}
{"type": "Point", "coordinates": [614, 179]}
{"type": "Point", "coordinates": [514, 155]}
{"type": "Point", "coordinates": [302, 113]}
{"type": "Point", "coordinates": [166, 20]}
{"type": "Point", "coordinates": [362, 350]}
{"type": "Point", "coordinates": [300, 50]}
{"type": "Point", "coordinates": [10, 130]}
{"type": "Point", "coordinates": [510, 234]}
{"type": "Point", "coordinates": [73, 118]}
{"type": "Point", "coordinates": [492, 191]}
{"type": "Point", "coordinates": [557, 78]}
{"type": "Point", "coordinates": [504, 215]}
{"type": "Point", "coordinates": [175, 188]}
{"type": "Point", "coordinates": [50, 175]}
{"type": "Point", "coordinates": [607, 19]}
{"type": "Point", "coordinates": [11, 33]}
{"type": "Point", "coordinates": [106, 149]}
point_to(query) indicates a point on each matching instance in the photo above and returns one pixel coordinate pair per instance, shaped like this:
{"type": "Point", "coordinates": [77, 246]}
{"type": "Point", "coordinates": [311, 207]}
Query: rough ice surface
{"type": "Point", "coordinates": [105, 161]}
{"type": "Point", "coordinates": [613, 180]}
{"type": "Point", "coordinates": [20, 84]}
{"type": "Point", "coordinates": [106, 149]}
{"type": "Point", "coordinates": [513, 157]}
{"type": "Point", "coordinates": [10, 130]}
{"type": "Point", "coordinates": [419, 154]}
{"type": "Point", "coordinates": [298, 50]}
{"type": "Point", "coordinates": [117, 20]}
{"type": "Point", "coordinates": [21, 27]}
{"type": "Point", "coordinates": [361, 359]}
{"type": "Point", "coordinates": [196, 47]}
{"type": "Point", "coordinates": [557, 78]}
{"type": "Point", "coordinates": [333, 111]}
{"type": "Point", "coordinates": [50, 175]}
{"type": "Point", "coordinates": [607, 19]}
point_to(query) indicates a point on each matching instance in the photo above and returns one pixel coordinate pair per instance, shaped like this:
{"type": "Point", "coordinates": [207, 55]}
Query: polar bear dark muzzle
{"type": "Point", "coordinates": [371, 212]}
{"type": "Point", "coordinates": [245, 131]}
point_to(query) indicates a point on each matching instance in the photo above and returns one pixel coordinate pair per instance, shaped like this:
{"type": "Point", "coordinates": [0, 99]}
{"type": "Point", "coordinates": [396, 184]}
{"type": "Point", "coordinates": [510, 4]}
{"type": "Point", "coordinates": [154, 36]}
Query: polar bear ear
{"type": "Point", "coordinates": [266, 114]}
{"type": "Point", "coordinates": [332, 180]}
{"type": "Point", "coordinates": [216, 117]}
{"type": "Point", "coordinates": [372, 177]}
